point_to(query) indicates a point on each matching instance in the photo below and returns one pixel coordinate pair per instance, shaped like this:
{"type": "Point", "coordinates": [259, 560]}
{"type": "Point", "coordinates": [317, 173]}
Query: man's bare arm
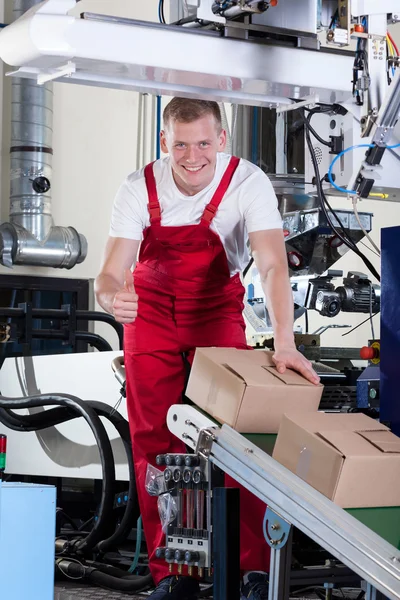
{"type": "Point", "coordinates": [268, 249]}
{"type": "Point", "coordinates": [113, 286]}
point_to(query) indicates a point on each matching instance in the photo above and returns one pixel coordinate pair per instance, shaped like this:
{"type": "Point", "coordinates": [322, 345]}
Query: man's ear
{"type": "Point", "coordinates": [163, 142]}
{"type": "Point", "coordinates": [222, 141]}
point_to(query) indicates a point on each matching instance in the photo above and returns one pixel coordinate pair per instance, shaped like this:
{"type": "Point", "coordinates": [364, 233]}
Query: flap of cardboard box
{"type": "Point", "coordinates": [385, 441]}
{"type": "Point", "coordinates": [320, 421]}
{"type": "Point", "coordinates": [288, 377]}
{"type": "Point", "coordinates": [250, 374]}
{"type": "Point", "coordinates": [261, 375]}
{"type": "Point", "coordinates": [348, 443]}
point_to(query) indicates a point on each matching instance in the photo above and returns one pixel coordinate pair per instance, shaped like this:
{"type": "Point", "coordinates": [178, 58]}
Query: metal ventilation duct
{"type": "Point", "coordinates": [30, 237]}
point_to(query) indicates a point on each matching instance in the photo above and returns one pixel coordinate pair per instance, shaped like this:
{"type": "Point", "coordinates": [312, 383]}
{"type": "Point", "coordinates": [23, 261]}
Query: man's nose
{"type": "Point", "coordinates": [192, 154]}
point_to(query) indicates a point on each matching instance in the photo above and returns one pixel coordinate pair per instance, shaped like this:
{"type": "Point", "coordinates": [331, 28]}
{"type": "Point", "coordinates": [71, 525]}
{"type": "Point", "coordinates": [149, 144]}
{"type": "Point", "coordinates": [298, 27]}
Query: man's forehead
{"type": "Point", "coordinates": [207, 122]}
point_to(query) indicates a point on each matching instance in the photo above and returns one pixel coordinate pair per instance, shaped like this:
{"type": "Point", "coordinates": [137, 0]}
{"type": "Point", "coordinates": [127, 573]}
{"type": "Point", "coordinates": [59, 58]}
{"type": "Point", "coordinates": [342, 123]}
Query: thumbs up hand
{"type": "Point", "coordinates": [125, 305]}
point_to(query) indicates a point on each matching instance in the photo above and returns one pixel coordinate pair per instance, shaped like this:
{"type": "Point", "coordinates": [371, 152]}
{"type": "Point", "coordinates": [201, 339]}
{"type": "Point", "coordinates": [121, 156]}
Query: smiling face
{"type": "Point", "coordinates": [193, 149]}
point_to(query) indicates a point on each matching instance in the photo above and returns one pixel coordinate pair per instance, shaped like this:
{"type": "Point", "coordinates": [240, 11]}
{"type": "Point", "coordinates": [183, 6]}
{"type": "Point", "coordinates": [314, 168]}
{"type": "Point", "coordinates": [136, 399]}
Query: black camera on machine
{"type": "Point", "coordinates": [357, 294]}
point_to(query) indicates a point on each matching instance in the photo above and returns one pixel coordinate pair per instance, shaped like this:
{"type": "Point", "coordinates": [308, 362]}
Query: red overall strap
{"type": "Point", "coordinates": [212, 206]}
{"type": "Point", "coordinates": [153, 204]}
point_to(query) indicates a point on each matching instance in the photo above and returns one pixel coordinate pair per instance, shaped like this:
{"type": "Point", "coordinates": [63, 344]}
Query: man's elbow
{"type": "Point", "coordinates": [272, 272]}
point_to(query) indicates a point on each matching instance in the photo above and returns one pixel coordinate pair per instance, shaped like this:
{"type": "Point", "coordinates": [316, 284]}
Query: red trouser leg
{"type": "Point", "coordinates": [155, 380]}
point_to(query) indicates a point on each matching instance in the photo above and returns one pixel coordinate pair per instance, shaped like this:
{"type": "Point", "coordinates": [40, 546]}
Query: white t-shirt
{"type": "Point", "coordinates": [249, 205]}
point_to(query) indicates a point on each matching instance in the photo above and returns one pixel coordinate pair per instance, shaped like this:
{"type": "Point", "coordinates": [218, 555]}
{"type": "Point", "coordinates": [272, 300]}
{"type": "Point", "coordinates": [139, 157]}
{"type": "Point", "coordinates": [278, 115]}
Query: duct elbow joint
{"type": "Point", "coordinates": [63, 247]}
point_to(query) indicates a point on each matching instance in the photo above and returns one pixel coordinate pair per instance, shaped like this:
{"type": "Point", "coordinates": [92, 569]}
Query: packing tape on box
{"type": "Point", "coordinates": [304, 463]}
{"type": "Point", "coordinates": [212, 394]}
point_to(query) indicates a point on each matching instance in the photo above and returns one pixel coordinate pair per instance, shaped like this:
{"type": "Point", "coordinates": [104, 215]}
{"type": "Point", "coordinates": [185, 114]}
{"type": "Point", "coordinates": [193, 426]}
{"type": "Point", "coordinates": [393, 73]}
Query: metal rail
{"type": "Point", "coordinates": [362, 550]}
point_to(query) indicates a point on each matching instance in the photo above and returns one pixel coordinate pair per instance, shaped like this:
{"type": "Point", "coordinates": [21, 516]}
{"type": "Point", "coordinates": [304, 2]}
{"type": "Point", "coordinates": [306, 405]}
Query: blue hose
{"type": "Point", "coordinates": [135, 562]}
{"type": "Point", "coordinates": [337, 187]}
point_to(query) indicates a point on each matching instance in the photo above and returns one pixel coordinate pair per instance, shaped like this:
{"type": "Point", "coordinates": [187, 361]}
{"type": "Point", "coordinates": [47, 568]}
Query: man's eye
{"type": "Point", "coordinates": [204, 144]}
{"type": "Point", "coordinates": [179, 145]}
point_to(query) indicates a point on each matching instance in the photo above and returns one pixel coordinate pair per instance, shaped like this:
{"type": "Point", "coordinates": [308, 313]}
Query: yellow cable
{"type": "Point", "coordinates": [390, 46]}
{"type": "Point", "coordinates": [379, 195]}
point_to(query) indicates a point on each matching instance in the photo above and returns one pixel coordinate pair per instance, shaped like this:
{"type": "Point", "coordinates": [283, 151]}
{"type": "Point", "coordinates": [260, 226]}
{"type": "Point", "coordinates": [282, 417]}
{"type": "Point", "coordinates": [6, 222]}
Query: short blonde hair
{"type": "Point", "coordinates": [187, 110]}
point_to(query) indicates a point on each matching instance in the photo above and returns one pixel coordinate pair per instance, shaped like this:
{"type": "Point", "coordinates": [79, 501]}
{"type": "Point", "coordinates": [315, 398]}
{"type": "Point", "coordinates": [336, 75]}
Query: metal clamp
{"type": "Point", "coordinates": [205, 441]}
{"type": "Point", "coordinates": [276, 530]}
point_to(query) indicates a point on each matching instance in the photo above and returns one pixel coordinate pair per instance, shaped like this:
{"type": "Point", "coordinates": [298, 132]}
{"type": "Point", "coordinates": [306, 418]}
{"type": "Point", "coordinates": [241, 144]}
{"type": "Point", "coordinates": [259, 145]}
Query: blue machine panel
{"type": "Point", "coordinates": [27, 534]}
{"type": "Point", "coordinates": [390, 328]}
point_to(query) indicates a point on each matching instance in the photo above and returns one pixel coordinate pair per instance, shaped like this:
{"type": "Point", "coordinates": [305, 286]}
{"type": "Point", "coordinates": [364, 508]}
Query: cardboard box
{"type": "Point", "coordinates": [243, 389]}
{"type": "Point", "coordinates": [350, 458]}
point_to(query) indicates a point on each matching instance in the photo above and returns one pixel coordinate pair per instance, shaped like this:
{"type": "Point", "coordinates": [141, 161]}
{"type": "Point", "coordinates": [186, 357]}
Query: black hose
{"type": "Point", "coordinates": [56, 416]}
{"type": "Point", "coordinates": [127, 521]}
{"type": "Point", "coordinates": [103, 443]}
{"type": "Point", "coordinates": [126, 583]}
{"type": "Point", "coordinates": [120, 584]}
{"type": "Point", "coordinates": [93, 339]}
{"type": "Point", "coordinates": [61, 314]}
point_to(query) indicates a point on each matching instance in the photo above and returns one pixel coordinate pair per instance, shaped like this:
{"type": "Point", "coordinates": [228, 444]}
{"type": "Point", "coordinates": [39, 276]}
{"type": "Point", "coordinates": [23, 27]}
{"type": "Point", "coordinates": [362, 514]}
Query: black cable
{"type": "Point", "coordinates": [246, 269]}
{"type": "Point", "coordinates": [323, 202]}
{"type": "Point", "coordinates": [334, 17]}
{"type": "Point", "coordinates": [162, 12]}
{"type": "Point", "coordinates": [106, 456]}
{"type": "Point", "coordinates": [315, 134]}
{"type": "Point", "coordinates": [359, 325]}
{"type": "Point", "coordinates": [57, 416]}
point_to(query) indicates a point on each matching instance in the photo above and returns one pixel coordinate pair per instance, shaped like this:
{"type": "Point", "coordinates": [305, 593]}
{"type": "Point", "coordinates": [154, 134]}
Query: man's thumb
{"type": "Point", "coordinates": [128, 281]}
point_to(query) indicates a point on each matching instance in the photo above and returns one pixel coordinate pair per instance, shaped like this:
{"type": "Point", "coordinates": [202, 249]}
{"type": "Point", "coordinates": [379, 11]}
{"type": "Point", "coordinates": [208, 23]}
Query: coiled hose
{"type": "Point", "coordinates": [69, 404]}
{"type": "Point", "coordinates": [56, 416]}
{"type": "Point", "coordinates": [70, 408]}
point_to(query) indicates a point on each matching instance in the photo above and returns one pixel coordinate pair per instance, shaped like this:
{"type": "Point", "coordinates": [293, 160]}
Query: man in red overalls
{"type": "Point", "coordinates": [192, 213]}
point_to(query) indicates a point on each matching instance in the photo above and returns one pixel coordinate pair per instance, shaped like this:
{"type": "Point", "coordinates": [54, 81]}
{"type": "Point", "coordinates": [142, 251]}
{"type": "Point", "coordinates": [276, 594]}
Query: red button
{"type": "Point", "coordinates": [368, 353]}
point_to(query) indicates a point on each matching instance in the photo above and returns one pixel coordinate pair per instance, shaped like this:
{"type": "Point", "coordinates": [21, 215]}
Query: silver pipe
{"type": "Point", "coordinates": [31, 238]}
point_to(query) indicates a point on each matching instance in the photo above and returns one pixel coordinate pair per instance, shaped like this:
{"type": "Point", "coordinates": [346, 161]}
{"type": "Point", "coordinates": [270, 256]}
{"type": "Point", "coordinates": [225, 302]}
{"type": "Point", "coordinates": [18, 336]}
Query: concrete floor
{"type": "Point", "coordinates": [74, 591]}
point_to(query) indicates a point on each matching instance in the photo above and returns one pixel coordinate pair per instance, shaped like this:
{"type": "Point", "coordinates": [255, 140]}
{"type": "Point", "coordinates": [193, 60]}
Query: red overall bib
{"type": "Point", "coordinates": [187, 299]}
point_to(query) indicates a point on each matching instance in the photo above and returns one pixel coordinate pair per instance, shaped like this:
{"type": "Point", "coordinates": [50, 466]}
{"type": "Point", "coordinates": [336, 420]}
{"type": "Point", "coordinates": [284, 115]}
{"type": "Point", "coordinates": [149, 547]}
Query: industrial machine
{"type": "Point", "coordinates": [314, 95]}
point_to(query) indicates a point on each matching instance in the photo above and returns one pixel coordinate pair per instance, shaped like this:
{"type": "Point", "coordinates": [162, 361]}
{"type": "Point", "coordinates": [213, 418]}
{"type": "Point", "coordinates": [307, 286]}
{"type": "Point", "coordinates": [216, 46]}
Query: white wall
{"type": "Point", "coordinates": [95, 133]}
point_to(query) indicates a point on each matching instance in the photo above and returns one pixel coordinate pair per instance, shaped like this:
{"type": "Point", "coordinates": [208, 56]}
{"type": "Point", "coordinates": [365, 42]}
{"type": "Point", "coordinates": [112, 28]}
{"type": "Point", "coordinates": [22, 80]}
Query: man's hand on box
{"type": "Point", "coordinates": [292, 359]}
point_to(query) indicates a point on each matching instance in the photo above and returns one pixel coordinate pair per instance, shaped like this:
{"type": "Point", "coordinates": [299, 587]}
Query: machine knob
{"type": "Point", "coordinates": [160, 552]}
{"type": "Point", "coordinates": [179, 460]}
{"type": "Point", "coordinates": [169, 459]}
{"type": "Point", "coordinates": [187, 475]}
{"type": "Point", "coordinates": [192, 557]}
{"type": "Point", "coordinates": [160, 460]}
{"type": "Point", "coordinates": [369, 353]}
{"type": "Point", "coordinates": [41, 185]}
{"type": "Point", "coordinates": [177, 475]}
{"type": "Point", "coordinates": [167, 475]}
{"type": "Point", "coordinates": [169, 554]}
{"type": "Point", "coordinates": [197, 476]}
{"type": "Point", "coordinates": [192, 460]}
{"type": "Point", "coordinates": [179, 555]}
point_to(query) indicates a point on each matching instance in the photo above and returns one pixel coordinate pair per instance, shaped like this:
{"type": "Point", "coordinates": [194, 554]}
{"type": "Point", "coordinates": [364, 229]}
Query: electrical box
{"type": "Point", "coordinates": [27, 536]}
